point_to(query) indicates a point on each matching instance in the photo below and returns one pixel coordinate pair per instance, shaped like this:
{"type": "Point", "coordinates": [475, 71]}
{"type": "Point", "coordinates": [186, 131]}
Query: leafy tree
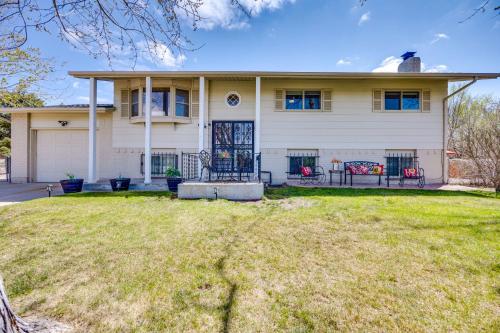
{"type": "Point", "coordinates": [13, 99]}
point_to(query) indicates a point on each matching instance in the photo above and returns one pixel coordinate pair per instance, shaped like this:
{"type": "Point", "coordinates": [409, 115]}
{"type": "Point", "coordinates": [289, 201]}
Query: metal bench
{"type": "Point", "coordinates": [369, 165]}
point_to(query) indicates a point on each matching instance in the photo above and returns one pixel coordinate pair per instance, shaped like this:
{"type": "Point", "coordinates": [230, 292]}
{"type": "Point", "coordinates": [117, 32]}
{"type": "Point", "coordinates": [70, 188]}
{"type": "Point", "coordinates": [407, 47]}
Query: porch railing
{"type": "Point", "coordinates": [217, 169]}
{"type": "Point", "coordinates": [160, 162]}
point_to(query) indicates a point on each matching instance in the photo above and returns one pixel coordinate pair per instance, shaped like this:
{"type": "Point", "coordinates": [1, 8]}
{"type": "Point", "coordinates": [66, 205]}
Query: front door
{"type": "Point", "coordinates": [230, 138]}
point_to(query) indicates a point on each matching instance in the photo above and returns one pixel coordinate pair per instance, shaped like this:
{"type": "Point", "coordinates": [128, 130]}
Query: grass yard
{"type": "Point", "coordinates": [302, 260]}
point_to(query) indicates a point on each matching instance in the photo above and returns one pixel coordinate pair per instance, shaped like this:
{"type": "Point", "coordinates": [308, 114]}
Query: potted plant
{"type": "Point", "coordinates": [173, 178]}
{"type": "Point", "coordinates": [337, 164]}
{"type": "Point", "coordinates": [71, 184]}
{"type": "Point", "coordinates": [120, 183]}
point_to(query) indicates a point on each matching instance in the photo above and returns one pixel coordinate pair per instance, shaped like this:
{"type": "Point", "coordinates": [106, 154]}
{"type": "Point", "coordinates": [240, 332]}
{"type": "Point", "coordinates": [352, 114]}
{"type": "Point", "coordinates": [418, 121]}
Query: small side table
{"type": "Point", "coordinates": [339, 172]}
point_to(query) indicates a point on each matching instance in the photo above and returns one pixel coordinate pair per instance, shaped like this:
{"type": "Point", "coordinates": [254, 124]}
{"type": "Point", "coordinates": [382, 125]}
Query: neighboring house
{"type": "Point", "coordinates": [290, 117]}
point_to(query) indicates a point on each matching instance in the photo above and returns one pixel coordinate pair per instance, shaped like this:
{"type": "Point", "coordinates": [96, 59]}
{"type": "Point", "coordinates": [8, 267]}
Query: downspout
{"type": "Point", "coordinates": [444, 169]}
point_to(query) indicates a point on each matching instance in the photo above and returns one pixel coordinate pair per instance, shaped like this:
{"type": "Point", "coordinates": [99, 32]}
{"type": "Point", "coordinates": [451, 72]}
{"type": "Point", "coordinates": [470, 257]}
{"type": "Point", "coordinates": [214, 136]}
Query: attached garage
{"type": "Point", "coordinates": [59, 152]}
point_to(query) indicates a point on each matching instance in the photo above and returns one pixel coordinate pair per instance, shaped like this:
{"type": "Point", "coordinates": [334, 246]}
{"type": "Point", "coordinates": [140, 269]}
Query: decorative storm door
{"type": "Point", "coordinates": [231, 138]}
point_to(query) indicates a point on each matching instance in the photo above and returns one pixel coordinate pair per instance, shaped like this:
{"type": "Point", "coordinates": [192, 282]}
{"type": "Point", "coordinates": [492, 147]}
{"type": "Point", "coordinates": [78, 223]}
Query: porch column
{"type": "Point", "coordinates": [257, 118]}
{"type": "Point", "coordinates": [92, 178]}
{"type": "Point", "coordinates": [201, 120]}
{"type": "Point", "coordinates": [147, 131]}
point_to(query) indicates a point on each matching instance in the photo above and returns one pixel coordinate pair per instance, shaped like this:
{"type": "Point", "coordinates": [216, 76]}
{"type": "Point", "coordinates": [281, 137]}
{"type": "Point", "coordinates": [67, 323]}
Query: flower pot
{"type": "Point", "coordinates": [173, 183]}
{"type": "Point", "coordinates": [71, 185]}
{"type": "Point", "coordinates": [119, 184]}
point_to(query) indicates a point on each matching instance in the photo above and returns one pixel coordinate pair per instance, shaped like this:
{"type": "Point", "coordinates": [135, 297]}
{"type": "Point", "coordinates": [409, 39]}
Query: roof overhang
{"type": "Point", "coordinates": [54, 109]}
{"type": "Point", "coordinates": [113, 75]}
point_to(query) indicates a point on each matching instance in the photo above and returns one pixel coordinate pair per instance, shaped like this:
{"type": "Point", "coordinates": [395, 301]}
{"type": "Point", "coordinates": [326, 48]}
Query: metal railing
{"type": "Point", "coordinates": [217, 169]}
{"type": "Point", "coordinates": [160, 162]}
{"type": "Point", "coordinates": [397, 162]}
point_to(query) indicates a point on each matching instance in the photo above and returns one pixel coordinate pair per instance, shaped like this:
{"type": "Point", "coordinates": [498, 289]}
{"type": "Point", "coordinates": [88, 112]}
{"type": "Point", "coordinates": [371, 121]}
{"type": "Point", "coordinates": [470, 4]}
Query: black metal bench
{"type": "Point", "coordinates": [357, 164]}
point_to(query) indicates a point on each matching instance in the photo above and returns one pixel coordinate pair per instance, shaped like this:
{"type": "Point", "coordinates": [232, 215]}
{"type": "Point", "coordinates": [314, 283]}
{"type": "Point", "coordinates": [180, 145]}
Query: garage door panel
{"type": "Point", "coordinates": [60, 152]}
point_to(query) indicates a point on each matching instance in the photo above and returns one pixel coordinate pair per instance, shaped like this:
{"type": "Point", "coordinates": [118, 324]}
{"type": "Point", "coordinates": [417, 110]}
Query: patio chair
{"type": "Point", "coordinates": [312, 175]}
{"type": "Point", "coordinates": [414, 172]}
{"type": "Point", "coordinates": [206, 163]}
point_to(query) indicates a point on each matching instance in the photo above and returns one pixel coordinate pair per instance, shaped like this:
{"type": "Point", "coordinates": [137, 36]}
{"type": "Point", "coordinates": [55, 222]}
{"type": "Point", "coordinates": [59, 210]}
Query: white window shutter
{"type": "Point", "coordinates": [377, 100]}
{"type": "Point", "coordinates": [326, 99]}
{"type": "Point", "coordinates": [195, 103]}
{"type": "Point", "coordinates": [279, 99]}
{"type": "Point", "coordinates": [426, 101]}
{"type": "Point", "coordinates": [124, 103]}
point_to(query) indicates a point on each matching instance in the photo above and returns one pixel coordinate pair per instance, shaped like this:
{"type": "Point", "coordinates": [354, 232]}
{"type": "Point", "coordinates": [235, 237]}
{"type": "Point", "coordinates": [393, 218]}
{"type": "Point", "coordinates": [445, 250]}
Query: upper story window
{"type": "Point", "coordinates": [181, 103]}
{"type": "Point", "coordinates": [406, 101]}
{"type": "Point", "coordinates": [303, 100]}
{"type": "Point", "coordinates": [233, 99]}
{"type": "Point", "coordinates": [134, 108]}
{"type": "Point", "coordinates": [160, 100]}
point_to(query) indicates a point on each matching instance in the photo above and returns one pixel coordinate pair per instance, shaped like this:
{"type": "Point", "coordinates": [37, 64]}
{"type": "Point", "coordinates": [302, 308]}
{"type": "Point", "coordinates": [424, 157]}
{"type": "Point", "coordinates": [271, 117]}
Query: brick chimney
{"type": "Point", "coordinates": [410, 63]}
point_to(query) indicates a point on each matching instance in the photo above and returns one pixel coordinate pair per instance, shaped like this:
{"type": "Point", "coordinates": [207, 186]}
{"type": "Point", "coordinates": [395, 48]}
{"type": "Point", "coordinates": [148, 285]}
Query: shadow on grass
{"type": "Point", "coordinates": [287, 192]}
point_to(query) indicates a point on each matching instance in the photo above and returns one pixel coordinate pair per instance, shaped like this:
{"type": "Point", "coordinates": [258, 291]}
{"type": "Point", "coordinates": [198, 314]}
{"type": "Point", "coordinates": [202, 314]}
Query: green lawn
{"type": "Point", "coordinates": [302, 260]}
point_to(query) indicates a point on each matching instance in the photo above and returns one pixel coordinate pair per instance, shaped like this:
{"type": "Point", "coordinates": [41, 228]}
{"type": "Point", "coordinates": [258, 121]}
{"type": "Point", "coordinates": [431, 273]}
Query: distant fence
{"type": "Point", "coordinates": [5, 169]}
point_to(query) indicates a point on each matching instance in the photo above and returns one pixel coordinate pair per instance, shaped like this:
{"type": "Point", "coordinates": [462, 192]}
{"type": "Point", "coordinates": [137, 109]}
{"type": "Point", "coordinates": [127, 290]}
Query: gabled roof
{"type": "Point", "coordinates": [112, 75]}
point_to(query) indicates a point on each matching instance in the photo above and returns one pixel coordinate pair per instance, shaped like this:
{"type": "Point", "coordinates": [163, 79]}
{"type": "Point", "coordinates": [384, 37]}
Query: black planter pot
{"type": "Point", "coordinates": [119, 184]}
{"type": "Point", "coordinates": [173, 183]}
{"type": "Point", "coordinates": [71, 185]}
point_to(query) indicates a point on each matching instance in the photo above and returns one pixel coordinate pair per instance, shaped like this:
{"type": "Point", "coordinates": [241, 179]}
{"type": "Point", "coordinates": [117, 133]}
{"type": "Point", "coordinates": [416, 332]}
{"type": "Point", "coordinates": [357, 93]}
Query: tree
{"type": "Point", "coordinates": [15, 98]}
{"type": "Point", "coordinates": [105, 27]}
{"type": "Point", "coordinates": [474, 134]}
{"type": "Point", "coordinates": [22, 69]}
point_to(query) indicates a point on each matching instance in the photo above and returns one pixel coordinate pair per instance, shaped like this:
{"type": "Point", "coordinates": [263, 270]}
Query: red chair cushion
{"type": "Point", "coordinates": [306, 171]}
{"type": "Point", "coordinates": [410, 172]}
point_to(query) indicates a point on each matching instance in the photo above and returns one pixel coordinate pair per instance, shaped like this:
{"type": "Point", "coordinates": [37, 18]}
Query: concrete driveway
{"type": "Point", "coordinates": [15, 193]}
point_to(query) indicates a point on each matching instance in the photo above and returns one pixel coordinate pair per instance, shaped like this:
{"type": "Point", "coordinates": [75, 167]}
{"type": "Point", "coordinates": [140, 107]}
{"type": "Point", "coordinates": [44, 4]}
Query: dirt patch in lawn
{"type": "Point", "coordinates": [45, 325]}
{"type": "Point", "coordinates": [294, 203]}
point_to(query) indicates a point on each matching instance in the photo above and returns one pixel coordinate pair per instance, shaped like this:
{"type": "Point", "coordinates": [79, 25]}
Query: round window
{"type": "Point", "coordinates": [233, 99]}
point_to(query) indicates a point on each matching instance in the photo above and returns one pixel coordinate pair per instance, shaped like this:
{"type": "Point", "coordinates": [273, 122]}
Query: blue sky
{"type": "Point", "coordinates": [311, 35]}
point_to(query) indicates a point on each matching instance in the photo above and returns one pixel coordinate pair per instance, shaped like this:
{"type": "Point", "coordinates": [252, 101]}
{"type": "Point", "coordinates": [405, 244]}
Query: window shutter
{"type": "Point", "coordinates": [326, 97]}
{"type": "Point", "coordinates": [377, 100]}
{"type": "Point", "coordinates": [279, 100]}
{"type": "Point", "coordinates": [426, 101]}
{"type": "Point", "coordinates": [195, 103]}
{"type": "Point", "coordinates": [124, 103]}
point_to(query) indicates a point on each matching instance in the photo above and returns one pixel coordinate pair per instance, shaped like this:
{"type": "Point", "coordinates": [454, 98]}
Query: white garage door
{"type": "Point", "coordinates": [60, 152]}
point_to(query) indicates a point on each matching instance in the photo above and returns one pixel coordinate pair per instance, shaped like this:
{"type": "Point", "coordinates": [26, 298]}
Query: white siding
{"type": "Point", "coordinates": [352, 124]}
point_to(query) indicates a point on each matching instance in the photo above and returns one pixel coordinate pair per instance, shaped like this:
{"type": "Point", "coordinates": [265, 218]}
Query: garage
{"type": "Point", "coordinates": [59, 152]}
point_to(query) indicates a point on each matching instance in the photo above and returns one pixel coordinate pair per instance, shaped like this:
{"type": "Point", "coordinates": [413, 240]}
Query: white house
{"type": "Point", "coordinates": [289, 117]}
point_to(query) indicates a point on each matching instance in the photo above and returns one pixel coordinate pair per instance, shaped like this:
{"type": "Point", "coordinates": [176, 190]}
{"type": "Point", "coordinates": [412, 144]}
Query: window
{"type": "Point", "coordinates": [303, 100]}
{"type": "Point", "coordinates": [402, 101]}
{"type": "Point", "coordinates": [182, 103]}
{"type": "Point", "coordinates": [233, 99]}
{"type": "Point", "coordinates": [298, 159]}
{"type": "Point", "coordinates": [134, 111]}
{"type": "Point", "coordinates": [160, 100]}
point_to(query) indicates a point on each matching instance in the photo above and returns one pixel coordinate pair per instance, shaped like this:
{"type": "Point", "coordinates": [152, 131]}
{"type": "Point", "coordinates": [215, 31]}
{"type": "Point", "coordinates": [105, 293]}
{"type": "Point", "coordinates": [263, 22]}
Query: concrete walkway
{"type": "Point", "coordinates": [15, 193]}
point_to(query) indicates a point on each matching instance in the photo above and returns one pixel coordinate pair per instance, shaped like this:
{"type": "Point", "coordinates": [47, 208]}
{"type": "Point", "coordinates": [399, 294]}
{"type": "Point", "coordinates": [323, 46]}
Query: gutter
{"type": "Point", "coordinates": [444, 165]}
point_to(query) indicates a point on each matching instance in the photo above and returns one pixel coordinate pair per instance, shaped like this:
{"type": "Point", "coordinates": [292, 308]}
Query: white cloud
{"type": "Point", "coordinates": [100, 100]}
{"type": "Point", "coordinates": [344, 62]}
{"type": "Point", "coordinates": [434, 69]}
{"type": "Point", "coordinates": [439, 36]}
{"type": "Point", "coordinates": [76, 84]}
{"type": "Point", "coordinates": [225, 14]}
{"type": "Point", "coordinates": [364, 18]}
{"type": "Point", "coordinates": [389, 64]}
{"type": "Point", "coordinates": [160, 55]}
